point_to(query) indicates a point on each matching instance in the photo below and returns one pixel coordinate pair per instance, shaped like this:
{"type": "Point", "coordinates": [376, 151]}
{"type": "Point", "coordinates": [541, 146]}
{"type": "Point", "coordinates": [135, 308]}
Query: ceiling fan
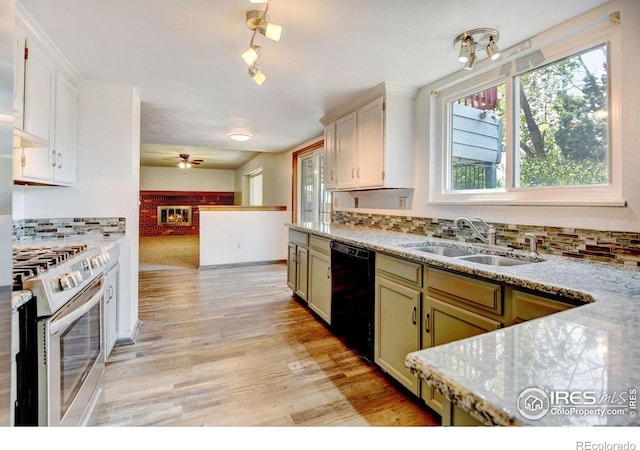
{"type": "Point", "coordinates": [184, 161]}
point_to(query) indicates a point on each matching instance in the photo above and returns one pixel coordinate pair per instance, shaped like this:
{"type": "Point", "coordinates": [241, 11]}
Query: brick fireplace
{"type": "Point", "coordinates": [159, 211]}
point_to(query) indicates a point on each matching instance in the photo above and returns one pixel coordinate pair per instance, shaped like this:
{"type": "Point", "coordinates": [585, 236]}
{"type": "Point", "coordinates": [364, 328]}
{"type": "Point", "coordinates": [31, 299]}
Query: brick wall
{"type": "Point", "coordinates": [150, 200]}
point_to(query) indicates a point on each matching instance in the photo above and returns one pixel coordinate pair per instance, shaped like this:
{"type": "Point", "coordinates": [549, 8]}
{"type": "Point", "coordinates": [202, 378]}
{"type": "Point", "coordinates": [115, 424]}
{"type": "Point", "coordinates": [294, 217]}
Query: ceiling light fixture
{"type": "Point", "coordinates": [467, 42]}
{"type": "Point", "coordinates": [258, 22]}
{"type": "Point", "coordinates": [240, 137]}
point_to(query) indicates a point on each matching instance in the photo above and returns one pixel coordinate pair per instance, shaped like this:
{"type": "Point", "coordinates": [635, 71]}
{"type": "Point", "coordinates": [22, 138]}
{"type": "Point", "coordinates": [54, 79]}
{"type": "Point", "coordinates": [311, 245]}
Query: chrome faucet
{"type": "Point", "coordinates": [490, 238]}
{"type": "Point", "coordinates": [533, 242]}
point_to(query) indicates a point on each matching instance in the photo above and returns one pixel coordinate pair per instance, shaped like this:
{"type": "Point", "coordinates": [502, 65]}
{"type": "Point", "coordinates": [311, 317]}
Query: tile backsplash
{"type": "Point", "coordinates": [618, 247]}
{"type": "Point", "coordinates": [60, 228]}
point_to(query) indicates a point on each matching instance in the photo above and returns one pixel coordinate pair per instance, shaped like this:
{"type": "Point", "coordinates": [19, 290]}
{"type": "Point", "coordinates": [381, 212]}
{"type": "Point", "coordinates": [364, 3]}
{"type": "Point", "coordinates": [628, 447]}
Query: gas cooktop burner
{"type": "Point", "coordinates": [31, 261]}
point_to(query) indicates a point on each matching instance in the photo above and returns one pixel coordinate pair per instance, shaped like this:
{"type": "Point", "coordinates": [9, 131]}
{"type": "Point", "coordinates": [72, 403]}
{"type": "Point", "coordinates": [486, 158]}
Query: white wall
{"type": "Point", "coordinates": [194, 179]}
{"type": "Point", "coordinates": [599, 218]}
{"type": "Point", "coordinates": [234, 237]}
{"type": "Point", "coordinates": [108, 180]}
{"type": "Point", "coordinates": [276, 179]}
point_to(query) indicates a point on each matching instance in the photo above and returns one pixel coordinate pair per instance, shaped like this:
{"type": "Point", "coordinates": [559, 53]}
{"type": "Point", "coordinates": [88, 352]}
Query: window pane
{"type": "Point", "coordinates": [306, 189]}
{"type": "Point", "coordinates": [563, 127]}
{"type": "Point", "coordinates": [477, 140]}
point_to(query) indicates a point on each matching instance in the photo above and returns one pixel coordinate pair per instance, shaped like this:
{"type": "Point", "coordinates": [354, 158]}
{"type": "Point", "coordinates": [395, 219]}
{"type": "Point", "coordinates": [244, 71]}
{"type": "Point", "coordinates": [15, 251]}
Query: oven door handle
{"type": "Point", "coordinates": [63, 322]}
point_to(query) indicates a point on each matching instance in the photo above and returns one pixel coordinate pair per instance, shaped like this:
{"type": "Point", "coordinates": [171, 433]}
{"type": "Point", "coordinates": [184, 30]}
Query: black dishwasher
{"type": "Point", "coordinates": [353, 296]}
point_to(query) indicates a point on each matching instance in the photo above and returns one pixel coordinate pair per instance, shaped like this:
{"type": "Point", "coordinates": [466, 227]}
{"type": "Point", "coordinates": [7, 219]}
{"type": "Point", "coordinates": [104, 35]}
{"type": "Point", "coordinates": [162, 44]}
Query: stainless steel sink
{"type": "Point", "coordinates": [444, 251]}
{"type": "Point", "coordinates": [494, 260]}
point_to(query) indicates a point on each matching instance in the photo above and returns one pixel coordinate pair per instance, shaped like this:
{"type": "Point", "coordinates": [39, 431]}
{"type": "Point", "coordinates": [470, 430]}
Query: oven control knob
{"type": "Point", "coordinates": [67, 282]}
{"type": "Point", "coordinates": [76, 276]}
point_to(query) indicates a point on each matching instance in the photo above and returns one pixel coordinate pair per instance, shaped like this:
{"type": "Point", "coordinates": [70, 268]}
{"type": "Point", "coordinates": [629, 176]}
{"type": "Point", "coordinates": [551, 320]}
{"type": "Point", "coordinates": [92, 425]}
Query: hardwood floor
{"type": "Point", "coordinates": [232, 347]}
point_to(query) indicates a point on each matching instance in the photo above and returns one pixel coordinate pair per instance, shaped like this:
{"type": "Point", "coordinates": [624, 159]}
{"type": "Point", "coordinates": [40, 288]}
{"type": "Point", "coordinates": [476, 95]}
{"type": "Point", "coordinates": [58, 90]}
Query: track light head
{"type": "Point", "coordinates": [493, 52]}
{"type": "Point", "coordinates": [471, 63]}
{"type": "Point", "coordinates": [252, 54]}
{"type": "Point", "coordinates": [256, 75]}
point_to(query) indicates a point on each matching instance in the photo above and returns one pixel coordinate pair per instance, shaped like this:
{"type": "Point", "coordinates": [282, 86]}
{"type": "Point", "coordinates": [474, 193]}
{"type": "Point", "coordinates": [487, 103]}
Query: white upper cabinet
{"type": "Point", "coordinates": [373, 147]}
{"type": "Point", "coordinates": [44, 104]}
{"type": "Point", "coordinates": [18, 79]}
{"type": "Point", "coordinates": [330, 157]}
{"type": "Point", "coordinates": [39, 85]}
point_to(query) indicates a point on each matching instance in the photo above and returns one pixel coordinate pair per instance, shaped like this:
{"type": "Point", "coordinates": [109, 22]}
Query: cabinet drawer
{"type": "Point", "coordinates": [320, 244]}
{"type": "Point", "coordinates": [481, 294]}
{"type": "Point", "coordinates": [407, 271]}
{"type": "Point", "coordinates": [299, 237]}
{"type": "Point", "coordinates": [528, 306]}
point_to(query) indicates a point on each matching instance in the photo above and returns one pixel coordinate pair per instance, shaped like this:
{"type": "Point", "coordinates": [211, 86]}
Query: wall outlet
{"type": "Point", "coordinates": [404, 203]}
{"type": "Point", "coordinates": [238, 245]}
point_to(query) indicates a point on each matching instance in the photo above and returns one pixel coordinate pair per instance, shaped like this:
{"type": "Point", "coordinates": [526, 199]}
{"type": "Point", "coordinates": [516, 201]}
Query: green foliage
{"type": "Point", "coordinates": [556, 170]}
{"type": "Point", "coordinates": [562, 139]}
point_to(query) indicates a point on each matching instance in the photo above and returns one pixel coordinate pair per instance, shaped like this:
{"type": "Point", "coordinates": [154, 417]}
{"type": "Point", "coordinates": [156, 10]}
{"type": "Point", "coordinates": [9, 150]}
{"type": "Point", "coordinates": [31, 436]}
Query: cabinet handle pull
{"type": "Point", "coordinates": [358, 172]}
{"type": "Point", "coordinates": [353, 171]}
{"type": "Point", "coordinates": [332, 175]}
{"type": "Point", "coordinates": [59, 160]}
{"type": "Point", "coordinates": [413, 315]}
{"type": "Point", "coordinates": [426, 323]}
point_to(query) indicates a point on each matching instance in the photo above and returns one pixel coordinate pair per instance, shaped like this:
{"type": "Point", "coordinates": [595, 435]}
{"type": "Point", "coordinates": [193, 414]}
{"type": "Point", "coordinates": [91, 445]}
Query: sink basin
{"type": "Point", "coordinates": [444, 251]}
{"type": "Point", "coordinates": [494, 260]}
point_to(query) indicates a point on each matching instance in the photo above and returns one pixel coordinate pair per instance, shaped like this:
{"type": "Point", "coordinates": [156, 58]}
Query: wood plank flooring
{"type": "Point", "coordinates": [232, 347]}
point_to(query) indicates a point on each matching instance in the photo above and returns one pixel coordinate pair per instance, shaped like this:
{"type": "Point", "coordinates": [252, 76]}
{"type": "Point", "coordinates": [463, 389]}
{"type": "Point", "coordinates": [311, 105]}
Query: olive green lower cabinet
{"type": "Point", "coordinates": [298, 263]}
{"type": "Point", "coordinates": [443, 323]}
{"type": "Point", "coordinates": [397, 334]}
{"type": "Point", "coordinates": [319, 295]}
{"type": "Point", "coordinates": [397, 313]}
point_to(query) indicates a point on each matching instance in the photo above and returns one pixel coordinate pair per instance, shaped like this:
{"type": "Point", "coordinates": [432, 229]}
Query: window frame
{"type": "Point", "coordinates": [516, 63]}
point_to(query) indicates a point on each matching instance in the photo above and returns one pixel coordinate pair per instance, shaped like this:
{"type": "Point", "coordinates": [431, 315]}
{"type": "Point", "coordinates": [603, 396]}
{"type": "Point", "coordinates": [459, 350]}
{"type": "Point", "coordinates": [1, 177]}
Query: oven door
{"type": "Point", "coordinates": [71, 360]}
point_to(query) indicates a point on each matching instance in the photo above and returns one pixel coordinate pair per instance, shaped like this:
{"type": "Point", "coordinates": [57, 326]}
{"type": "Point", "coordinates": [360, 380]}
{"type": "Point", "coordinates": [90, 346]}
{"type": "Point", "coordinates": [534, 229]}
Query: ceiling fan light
{"type": "Point", "coordinates": [256, 75]}
{"type": "Point", "coordinates": [240, 137]}
{"type": "Point", "coordinates": [270, 30]}
{"type": "Point", "coordinates": [182, 165]}
{"type": "Point", "coordinates": [251, 54]}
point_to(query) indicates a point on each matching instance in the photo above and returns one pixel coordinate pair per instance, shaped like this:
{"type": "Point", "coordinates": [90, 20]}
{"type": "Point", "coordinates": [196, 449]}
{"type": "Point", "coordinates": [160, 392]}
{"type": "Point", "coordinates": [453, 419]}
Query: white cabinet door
{"type": "Point", "coordinates": [346, 151]}
{"type": "Point", "coordinates": [39, 87]}
{"type": "Point", "coordinates": [18, 83]}
{"type": "Point", "coordinates": [111, 309]}
{"type": "Point", "coordinates": [330, 157]}
{"type": "Point", "coordinates": [64, 141]}
{"type": "Point", "coordinates": [371, 145]}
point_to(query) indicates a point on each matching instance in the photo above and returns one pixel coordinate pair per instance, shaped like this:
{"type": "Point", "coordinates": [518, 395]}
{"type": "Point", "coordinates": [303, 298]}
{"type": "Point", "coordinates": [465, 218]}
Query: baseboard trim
{"type": "Point", "coordinates": [129, 340]}
{"type": "Point", "coordinates": [243, 264]}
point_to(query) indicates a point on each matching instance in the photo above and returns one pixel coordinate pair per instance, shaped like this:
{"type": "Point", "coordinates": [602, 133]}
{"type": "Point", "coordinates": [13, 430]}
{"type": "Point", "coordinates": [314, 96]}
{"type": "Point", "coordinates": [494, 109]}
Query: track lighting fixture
{"type": "Point", "coordinates": [467, 42]}
{"type": "Point", "coordinates": [258, 22]}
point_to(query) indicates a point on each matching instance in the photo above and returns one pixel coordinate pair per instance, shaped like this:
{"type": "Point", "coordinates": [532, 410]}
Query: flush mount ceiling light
{"type": "Point", "coordinates": [467, 42]}
{"type": "Point", "coordinates": [258, 22]}
{"type": "Point", "coordinates": [240, 137]}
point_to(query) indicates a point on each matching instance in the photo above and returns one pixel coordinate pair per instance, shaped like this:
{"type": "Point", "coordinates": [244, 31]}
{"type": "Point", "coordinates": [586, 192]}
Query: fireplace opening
{"type": "Point", "coordinates": [174, 216]}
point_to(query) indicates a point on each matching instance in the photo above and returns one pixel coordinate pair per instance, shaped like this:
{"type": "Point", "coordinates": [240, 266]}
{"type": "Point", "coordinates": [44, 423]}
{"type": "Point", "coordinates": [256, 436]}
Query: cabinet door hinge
{"type": "Point", "coordinates": [383, 174]}
{"type": "Point", "coordinates": [384, 105]}
{"type": "Point", "coordinates": [26, 53]}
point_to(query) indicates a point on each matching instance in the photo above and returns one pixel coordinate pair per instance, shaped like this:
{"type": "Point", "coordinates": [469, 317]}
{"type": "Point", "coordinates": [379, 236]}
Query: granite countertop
{"type": "Point", "coordinates": [589, 351]}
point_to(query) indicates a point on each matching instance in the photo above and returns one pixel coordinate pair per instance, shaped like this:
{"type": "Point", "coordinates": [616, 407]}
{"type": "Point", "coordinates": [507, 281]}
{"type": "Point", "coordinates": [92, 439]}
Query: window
{"type": "Point", "coordinates": [313, 200]}
{"type": "Point", "coordinates": [538, 129]}
{"type": "Point", "coordinates": [255, 188]}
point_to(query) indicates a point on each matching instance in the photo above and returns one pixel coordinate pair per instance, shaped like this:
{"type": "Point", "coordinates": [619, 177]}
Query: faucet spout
{"type": "Point", "coordinates": [490, 238]}
{"type": "Point", "coordinates": [533, 242]}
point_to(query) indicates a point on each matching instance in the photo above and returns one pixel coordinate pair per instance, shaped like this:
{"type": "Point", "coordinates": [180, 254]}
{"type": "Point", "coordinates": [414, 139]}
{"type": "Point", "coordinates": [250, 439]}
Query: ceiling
{"type": "Point", "coordinates": [183, 58]}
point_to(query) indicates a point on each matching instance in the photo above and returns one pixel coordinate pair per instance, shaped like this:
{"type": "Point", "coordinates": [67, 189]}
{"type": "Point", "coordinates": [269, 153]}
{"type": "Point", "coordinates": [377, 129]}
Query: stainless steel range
{"type": "Point", "coordinates": [61, 333]}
